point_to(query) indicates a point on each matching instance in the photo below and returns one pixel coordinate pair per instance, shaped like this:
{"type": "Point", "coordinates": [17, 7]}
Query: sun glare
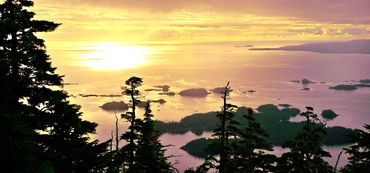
{"type": "Point", "coordinates": [110, 56]}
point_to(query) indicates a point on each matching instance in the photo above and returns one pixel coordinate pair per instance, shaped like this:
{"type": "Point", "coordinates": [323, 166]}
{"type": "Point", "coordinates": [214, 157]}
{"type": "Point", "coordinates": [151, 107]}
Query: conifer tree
{"type": "Point", "coordinates": [359, 152]}
{"type": "Point", "coordinates": [250, 148]}
{"type": "Point", "coordinates": [224, 135]}
{"type": "Point", "coordinates": [132, 135]}
{"type": "Point", "coordinates": [241, 148]}
{"type": "Point", "coordinates": [41, 118]}
{"type": "Point", "coordinates": [150, 153]}
{"type": "Point", "coordinates": [306, 153]}
{"type": "Point", "coordinates": [143, 152]}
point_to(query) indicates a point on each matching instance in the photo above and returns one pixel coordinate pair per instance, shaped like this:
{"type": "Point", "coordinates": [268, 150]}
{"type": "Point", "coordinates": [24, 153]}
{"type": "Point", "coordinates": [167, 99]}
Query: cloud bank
{"type": "Point", "coordinates": [338, 11]}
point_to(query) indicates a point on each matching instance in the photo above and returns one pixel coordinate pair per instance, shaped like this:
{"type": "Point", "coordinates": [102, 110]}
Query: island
{"type": "Point", "coordinates": [365, 81]}
{"type": "Point", "coordinates": [164, 88]}
{"type": "Point", "coordinates": [274, 120]}
{"type": "Point", "coordinates": [329, 114]}
{"type": "Point", "coordinates": [194, 92]}
{"type": "Point", "coordinates": [115, 106]}
{"type": "Point", "coordinates": [344, 87]}
{"type": "Point", "coordinates": [306, 81]}
{"type": "Point", "coordinates": [342, 47]}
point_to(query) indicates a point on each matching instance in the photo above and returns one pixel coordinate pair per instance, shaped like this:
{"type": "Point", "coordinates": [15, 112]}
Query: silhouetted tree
{"type": "Point", "coordinates": [359, 159]}
{"type": "Point", "coordinates": [240, 148]}
{"type": "Point", "coordinates": [114, 157]}
{"type": "Point", "coordinates": [40, 118]}
{"type": "Point", "coordinates": [150, 152]}
{"type": "Point", "coordinates": [17, 144]}
{"type": "Point", "coordinates": [132, 135]}
{"type": "Point", "coordinates": [143, 152]}
{"type": "Point", "coordinates": [306, 153]}
{"type": "Point", "coordinates": [250, 148]}
{"type": "Point", "coordinates": [223, 134]}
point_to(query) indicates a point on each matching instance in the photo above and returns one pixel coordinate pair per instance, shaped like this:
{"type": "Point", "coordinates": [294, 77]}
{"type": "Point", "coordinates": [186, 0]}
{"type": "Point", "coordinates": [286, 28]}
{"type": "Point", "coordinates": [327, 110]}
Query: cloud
{"type": "Point", "coordinates": [210, 20]}
{"type": "Point", "coordinates": [338, 11]}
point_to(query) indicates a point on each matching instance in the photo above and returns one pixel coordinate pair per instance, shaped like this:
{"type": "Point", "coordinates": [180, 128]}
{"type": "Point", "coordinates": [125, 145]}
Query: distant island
{"type": "Point", "coordinates": [344, 87]}
{"type": "Point", "coordinates": [194, 92]}
{"type": "Point", "coordinates": [354, 47]}
{"type": "Point", "coordinates": [328, 114]}
{"type": "Point", "coordinates": [121, 106]}
{"type": "Point", "coordinates": [350, 87]}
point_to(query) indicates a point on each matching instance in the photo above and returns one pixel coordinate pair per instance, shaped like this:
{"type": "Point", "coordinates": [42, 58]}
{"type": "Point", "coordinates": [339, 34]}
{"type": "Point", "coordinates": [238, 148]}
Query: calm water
{"type": "Point", "coordinates": [211, 65]}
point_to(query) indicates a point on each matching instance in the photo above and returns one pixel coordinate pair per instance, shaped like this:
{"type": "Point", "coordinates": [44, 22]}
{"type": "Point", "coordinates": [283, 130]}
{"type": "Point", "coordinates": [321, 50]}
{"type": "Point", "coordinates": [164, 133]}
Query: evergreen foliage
{"type": "Point", "coordinates": [39, 122]}
{"type": "Point", "coordinates": [251, 148]}
{"type": "Point", "coordinates": [223, 134]}
{"type": "Point", "coordinates": [132, 135]}
{"type": "Point", "coordinates": [150, 152]}
{"type": "Point", "coordinates": [42, 132]}
{"type": "Point", "coordinates": [306, 153]}
{"type": "Point", "coordinates": [239, 149]}
{"type": "Point", "coordinates": [143, 152]}
{"type": "Point", "coordinates": [359, 160]}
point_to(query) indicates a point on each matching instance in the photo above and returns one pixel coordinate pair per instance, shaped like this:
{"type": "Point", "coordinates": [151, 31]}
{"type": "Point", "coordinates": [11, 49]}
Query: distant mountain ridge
{"type": "Point", "coordinates": [354, 47]}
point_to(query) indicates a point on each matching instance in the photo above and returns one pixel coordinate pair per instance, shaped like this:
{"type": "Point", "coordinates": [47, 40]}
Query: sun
{"type": "Point", "coordinates": [113, 56]}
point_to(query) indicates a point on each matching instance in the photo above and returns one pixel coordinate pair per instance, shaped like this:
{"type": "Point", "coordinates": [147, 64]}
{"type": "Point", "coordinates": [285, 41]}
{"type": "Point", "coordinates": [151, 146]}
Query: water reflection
{"type": "Point", "coordinates": [211, 65]}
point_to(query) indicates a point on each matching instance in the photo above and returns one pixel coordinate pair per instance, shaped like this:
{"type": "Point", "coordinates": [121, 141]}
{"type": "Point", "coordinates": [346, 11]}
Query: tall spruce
{"type": "Point", "coordinates": [241, 145]}
{"type": "Point", "coordinates": [224, 134]}
{"type": "Point", "coordinates": [150, 152]}
{"type": "Point", "coordinates": [42, 120]}
{"type": "Point", "coordinates": [359, 152]}
{"type": "Point", "coordinates": [132, 135]}
{"type": "Point", "coordinates": [251, 148]}
{"type": "Point", "coordinates": [306, 154]}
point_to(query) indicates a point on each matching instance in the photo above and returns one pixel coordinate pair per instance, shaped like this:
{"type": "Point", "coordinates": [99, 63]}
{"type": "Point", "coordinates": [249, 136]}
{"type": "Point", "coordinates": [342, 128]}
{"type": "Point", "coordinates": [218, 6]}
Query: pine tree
{"type": "Point", "coordinates": [143, 152]}
{"type": "Point", "coordinates": [132, 135]}
{"type": "Point", "coordinates": [359, 159]}
{"type": "Point", "coordinates": [50, 126]}
{"type": "Point", "coordinates": [306, 153]}
{"type": "Point", "coordinates": [150, 152]}
{"type": "Point", "coordinates": [250, 148]}
{"type": "Point", "coordinates": [224, 134]}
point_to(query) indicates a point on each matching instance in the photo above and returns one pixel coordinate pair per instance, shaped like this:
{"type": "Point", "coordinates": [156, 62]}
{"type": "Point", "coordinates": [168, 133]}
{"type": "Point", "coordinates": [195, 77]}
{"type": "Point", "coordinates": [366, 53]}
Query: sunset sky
{"type": "Point", "coordinates": [205, 20]}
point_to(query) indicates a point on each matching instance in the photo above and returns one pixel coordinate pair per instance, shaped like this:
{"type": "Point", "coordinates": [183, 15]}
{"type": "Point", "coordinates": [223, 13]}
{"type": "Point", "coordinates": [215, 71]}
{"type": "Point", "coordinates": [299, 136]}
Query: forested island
{"type": "Point", "coordinates": [41, 131]}
{"type": "Point", "coordinates": [273, 119]}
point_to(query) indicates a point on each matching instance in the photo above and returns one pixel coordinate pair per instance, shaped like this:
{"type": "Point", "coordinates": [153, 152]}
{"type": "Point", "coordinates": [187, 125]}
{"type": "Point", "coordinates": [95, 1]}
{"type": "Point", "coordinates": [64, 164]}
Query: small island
{"type": "Point", "coordinates": [365, 81]}
{"type": "Point", "coordinates": [115, 106]}
{"type": "Point", "coordinates": [194, 92]}
{"type": "Point", "coordinates": [219, 90]}
{"type": "Point", "coordinates": [329, 114]}
{"type": "Point", "coordinates": [344, 87]}
{"type": "Point", "coordinates": [164, 88]}
{"type": "Point", "coordinates": [306, 81]}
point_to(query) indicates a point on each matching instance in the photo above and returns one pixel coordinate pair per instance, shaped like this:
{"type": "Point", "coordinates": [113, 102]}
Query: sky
{"type": "Point", "coordinates": [205, 20]}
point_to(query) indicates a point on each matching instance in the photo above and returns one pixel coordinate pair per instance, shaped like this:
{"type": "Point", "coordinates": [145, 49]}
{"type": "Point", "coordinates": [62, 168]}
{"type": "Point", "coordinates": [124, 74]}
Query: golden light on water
{"type": "Point", "coordinates": [111, 56]}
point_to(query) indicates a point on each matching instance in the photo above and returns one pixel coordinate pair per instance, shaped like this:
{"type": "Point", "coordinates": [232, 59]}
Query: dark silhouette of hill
{"type": "Point", "coordinates": [354, 47]}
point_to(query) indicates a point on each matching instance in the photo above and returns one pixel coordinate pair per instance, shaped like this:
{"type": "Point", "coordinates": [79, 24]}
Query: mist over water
{"type": "Point", "coordinates": [210, 65]}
